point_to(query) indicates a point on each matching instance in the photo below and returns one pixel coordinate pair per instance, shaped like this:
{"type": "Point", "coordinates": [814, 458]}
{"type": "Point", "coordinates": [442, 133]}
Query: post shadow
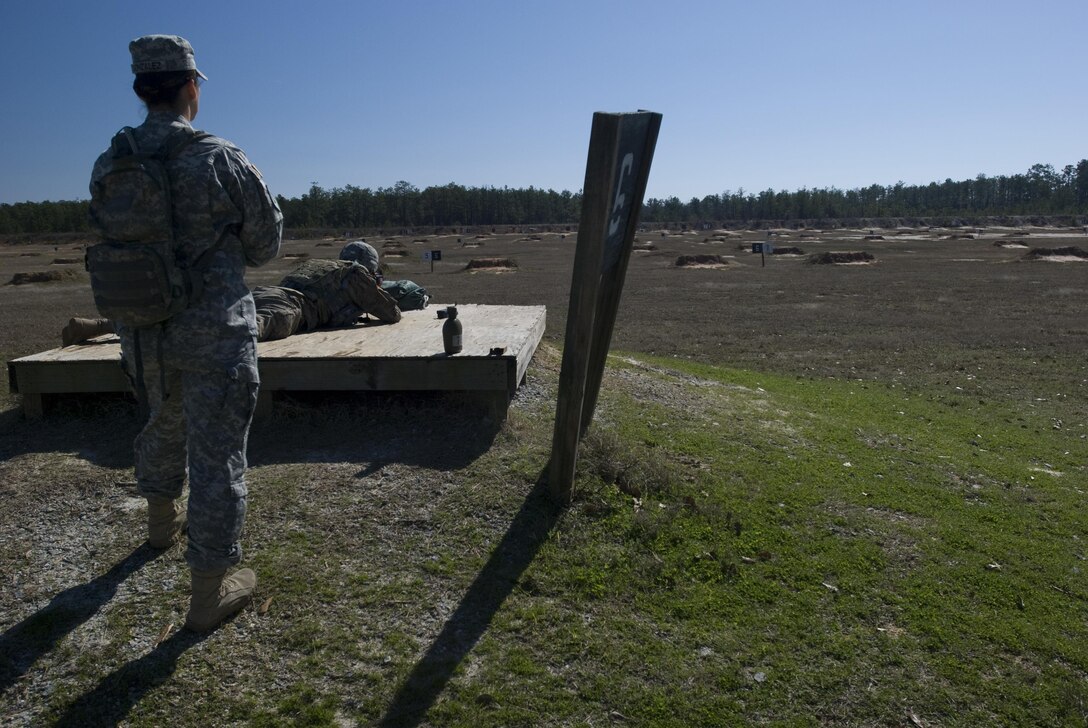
{"type": "Point", "coordinates": [116, 694]}
{"type": "Point", "coordinates": [23, 644]}
{"type": "Point", "coordinates": [508, 561]}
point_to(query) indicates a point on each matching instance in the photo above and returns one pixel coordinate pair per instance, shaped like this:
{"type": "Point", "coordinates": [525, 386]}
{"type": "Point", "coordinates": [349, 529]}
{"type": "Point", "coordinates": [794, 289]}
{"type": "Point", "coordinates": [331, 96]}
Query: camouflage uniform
{"type": "Point", "coordinates": [200, 366]}
{"type": "Point", "coordinates": [281, 312]}
{"type": "Point", "coordinates": [321, 293]}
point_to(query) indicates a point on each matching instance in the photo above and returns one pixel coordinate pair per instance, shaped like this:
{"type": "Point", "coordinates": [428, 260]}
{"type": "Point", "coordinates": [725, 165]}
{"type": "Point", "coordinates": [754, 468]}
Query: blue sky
{"type": "Point", "coordinates": [755, 95]}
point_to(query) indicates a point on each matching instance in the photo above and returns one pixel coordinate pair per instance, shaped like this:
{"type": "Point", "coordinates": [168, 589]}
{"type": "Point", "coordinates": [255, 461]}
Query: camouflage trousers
{"type": "Point", "coordinates": [281, 312]}
{"type": "Point", "coordinates": [199, 426]}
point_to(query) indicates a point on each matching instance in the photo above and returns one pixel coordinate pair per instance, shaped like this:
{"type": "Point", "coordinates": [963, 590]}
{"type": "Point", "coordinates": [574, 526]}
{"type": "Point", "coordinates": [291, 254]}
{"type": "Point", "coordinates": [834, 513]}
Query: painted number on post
{"type": "Point", "coordinates": [621, 196]}
{"type": "Point", "coordinates": [620, 213]}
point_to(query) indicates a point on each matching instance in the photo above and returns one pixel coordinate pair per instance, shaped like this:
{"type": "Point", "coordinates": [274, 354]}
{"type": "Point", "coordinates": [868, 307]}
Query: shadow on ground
{"type": "Point", "coordinates": [438, 430]}
{"type": "Point", "coordinates": [116, 694]}
{"type": "Point", "coordinates": [523, 538]}
{"type": "Point", "coordinates": [23, 644]}
{"type": "Point", "coordinates": [445, 431]}
{"type": "Point", "coordinates": [99, 429]}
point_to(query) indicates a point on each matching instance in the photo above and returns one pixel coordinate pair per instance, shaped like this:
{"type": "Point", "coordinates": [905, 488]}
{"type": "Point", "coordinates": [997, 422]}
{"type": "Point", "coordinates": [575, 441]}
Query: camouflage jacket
{"type": "Point", "coordinates": [220, 202]}
{"type": "Point", "coordinates": [341, 291]}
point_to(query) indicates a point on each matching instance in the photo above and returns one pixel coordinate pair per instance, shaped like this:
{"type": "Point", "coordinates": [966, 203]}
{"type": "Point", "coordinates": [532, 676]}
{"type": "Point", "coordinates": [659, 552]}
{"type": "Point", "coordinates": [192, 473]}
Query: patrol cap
{"type": "Point", "coordinates": [159, 53]}
{"type": "Point", "coordinates": [362, 253]}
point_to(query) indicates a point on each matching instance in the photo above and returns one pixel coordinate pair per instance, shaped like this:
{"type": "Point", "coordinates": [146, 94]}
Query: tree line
{"type": "Point", "coordinates": [1042, 190]}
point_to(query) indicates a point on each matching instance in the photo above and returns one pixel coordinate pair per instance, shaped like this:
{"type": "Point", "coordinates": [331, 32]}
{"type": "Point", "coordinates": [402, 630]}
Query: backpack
{"type": "Point", "coordinates": [341, 291]}
{"type": "Point", "coordinates": [409, 296]}
{"type": "Point", "coordinates": [135, 276]}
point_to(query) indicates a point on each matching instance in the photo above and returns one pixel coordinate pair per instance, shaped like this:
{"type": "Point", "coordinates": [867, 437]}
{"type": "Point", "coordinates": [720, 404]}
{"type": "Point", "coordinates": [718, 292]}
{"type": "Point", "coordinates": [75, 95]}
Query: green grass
{"type": "Point", "coordinates": [826, 551]}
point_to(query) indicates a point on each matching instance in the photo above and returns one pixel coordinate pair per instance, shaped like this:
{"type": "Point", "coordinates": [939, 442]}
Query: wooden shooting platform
{"type": "Point", "coordinates": [498, 342]}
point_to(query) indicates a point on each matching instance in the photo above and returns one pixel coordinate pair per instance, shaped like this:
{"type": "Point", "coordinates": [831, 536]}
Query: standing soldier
{"type": "Point", "coordinates": [196, 371]}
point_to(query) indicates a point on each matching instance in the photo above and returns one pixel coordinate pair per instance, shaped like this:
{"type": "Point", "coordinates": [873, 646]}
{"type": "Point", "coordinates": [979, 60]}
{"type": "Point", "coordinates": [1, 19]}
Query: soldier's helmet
{"type": "Point", "coordinates": [362, 253]}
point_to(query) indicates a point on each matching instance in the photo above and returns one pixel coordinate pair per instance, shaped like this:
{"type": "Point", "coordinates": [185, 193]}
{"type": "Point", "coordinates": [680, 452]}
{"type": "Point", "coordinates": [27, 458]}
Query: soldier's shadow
{"type": "Point", "coordinates": [116, 694]}
{"type": "Point", "coordinates": [26, 642]}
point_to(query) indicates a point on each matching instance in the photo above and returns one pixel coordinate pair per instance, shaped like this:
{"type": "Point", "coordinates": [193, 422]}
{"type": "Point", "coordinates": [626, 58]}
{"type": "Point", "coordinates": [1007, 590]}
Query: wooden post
{"type": "Point", "coordinates": [263, 410]}
{"type": "Point", "coordinates": [621, 150]}
{"type": "Point", "coordinates": [33, 409]}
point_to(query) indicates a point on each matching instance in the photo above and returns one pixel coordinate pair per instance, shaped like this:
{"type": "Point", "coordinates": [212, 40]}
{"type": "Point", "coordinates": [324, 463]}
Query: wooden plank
{"type": "Point", "coordinates": [404, 356]}
{"type": "Point", "coordinates": [33, 408]}
{"type": "Point", "coordinates": [75, 376]}
{"type": "Point", "coordinates": [419, 333]}
{"type": "Point", "coordinates": [103, 348]}
{"type": "Point", "coordinates": [525, 353]}
{"type": "Point", "coordinates": [385, 374]}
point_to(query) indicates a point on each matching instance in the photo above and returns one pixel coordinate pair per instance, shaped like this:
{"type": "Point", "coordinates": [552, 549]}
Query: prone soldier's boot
{"type": "Point", "coordinates": [165, 522]}
{"type": "Point", "coordinates": [217, 596]}
{"type": "Point", "coordinates": [80, 329]}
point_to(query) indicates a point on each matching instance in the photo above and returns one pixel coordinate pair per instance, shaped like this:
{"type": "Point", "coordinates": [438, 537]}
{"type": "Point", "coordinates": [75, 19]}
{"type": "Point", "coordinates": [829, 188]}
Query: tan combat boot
{"type": "Point", "coordinates": [79, 330]}
{"type": "Point", "coordinates": [165, 522]}
{"type": "Point", "coordinates": [217, 596]}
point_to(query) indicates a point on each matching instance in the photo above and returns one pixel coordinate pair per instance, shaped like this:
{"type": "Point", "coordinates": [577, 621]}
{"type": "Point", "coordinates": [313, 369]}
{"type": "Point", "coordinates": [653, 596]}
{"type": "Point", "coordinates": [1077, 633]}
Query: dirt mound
{"type": "Point", "coordinates": [960, 236]}
{"type": "Point", "coordinates": [48, 276]}
{"type": "Point", "coordinates": [643, 247]}
{"type": "Point", "coordinates": [1069, 252]}
{"type": "Point", "coordinates": [395, 249]}
{"type": "Point", "coordinates": [841, 258]}
{"type": "Point", "coordinates": [701, 261]}
{"type": "Point", "coordinates": [787, 250]}
{"type": "Point", "coordinates": [66, 261]}
{"type": "Point", "coordinates": [873, 237]}
{"type": "Point", "coordinates": [1010, 244]}
{"type": "Point", "coordinates": [499, 264]}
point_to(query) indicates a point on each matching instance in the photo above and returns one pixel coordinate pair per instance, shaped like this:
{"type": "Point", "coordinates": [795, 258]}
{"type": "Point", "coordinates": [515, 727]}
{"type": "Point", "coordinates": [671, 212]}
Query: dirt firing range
{"type": "Point", "coordinates": [923, 285]}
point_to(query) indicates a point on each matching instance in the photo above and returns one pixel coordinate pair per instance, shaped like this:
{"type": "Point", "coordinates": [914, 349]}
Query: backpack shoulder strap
{"type": "Point", "coordinates": [123, 143]}
{"type": "Point", "coordinates": [178, 139]}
